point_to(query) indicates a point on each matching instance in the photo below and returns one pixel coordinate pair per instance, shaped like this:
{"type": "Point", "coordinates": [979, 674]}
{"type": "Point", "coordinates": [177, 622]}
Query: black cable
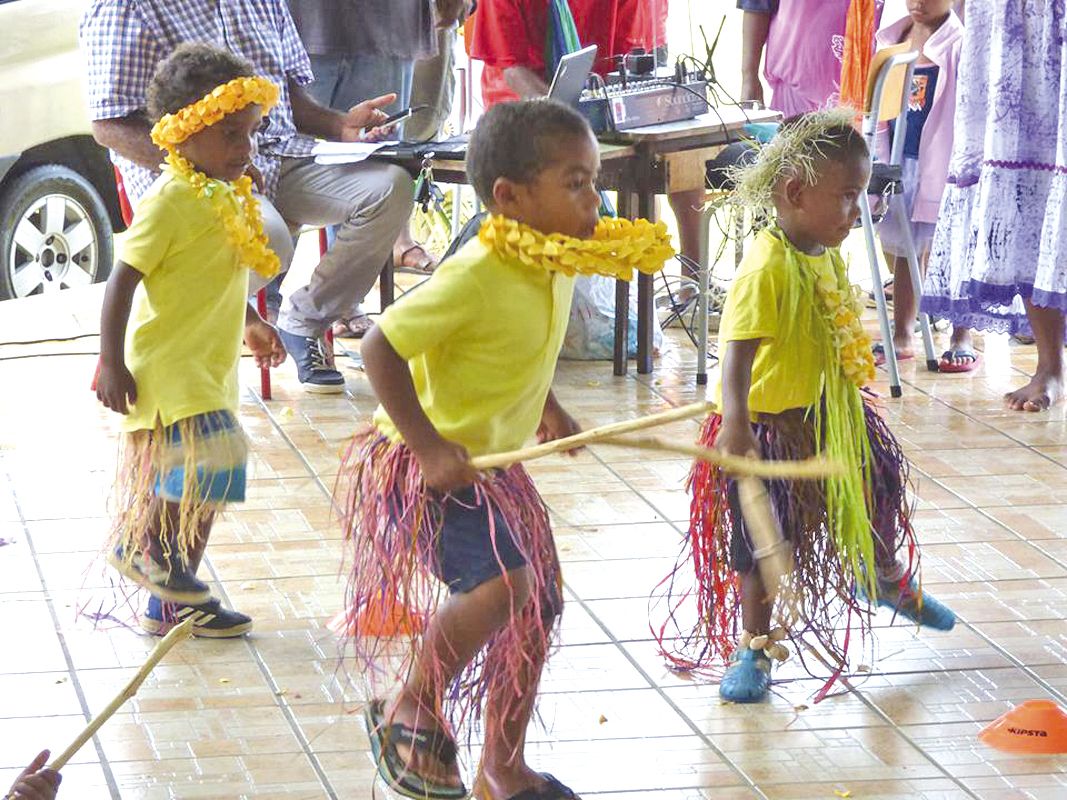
{"type": "Point", "coordinates": [29, 342]}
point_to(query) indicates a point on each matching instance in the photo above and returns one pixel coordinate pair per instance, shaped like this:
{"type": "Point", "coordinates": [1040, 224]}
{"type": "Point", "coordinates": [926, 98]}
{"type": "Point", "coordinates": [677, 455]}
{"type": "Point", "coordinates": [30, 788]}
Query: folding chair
{"type": "Point", "coordinates": [888, 90]}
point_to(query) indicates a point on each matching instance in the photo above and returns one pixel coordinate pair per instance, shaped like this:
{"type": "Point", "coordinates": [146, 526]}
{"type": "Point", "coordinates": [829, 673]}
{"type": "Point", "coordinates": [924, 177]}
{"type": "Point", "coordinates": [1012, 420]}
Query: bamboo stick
{"type": "Point", "coordinates": [590, 436]}
{"type": "Point", "coordinates": [177, 634]}
{"type": "Point", "coordinates": [735, 465]}
{"type": "Point", "coordinates": [773, 555]}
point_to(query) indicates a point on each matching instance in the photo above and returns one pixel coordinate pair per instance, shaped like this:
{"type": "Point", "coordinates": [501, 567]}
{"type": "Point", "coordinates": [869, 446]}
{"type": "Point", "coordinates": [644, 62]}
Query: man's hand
{"type": "Point", "coordinates": [115, 387]}
{"type": "Point", "coordinates": [367, 114]}
{"type": "Point", "coordinates": [263, 340]}
{"type": "Point", "coordinates": [36, 783]}
{"type": "Point", "coordinates": [557, 424]}
{"type": "Point", "coordinates": [446, 466]}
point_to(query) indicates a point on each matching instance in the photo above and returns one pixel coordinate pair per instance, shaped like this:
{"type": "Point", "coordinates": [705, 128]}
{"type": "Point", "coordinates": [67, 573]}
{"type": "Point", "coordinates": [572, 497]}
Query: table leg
{"type": "Point", "coordinates": [622, 325]}
{"type": "Point", "coordinates": [622, 300]}
{"type": "Point", "coordinates": [386, 286]}
{"type": "Point", "coordinates": [646, 208]}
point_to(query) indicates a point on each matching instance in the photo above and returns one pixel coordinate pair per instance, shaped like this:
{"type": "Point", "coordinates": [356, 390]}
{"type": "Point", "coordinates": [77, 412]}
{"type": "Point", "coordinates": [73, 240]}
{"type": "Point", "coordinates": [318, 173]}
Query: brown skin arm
{"type": "Point", "coordinates": [115, 386]}
{"type": "Point", "coordinates": [735, 436]}
{"type": "Point", "coordinates": [315, 119]}
{"type": "Point", "coordinates": [130, 137]}
{"type": "Point", "coordinates": [754, 29]}
{"type": "Point", "coordinates": [445, 465]}
{"type": "Point", "coordinates": [526, 83]}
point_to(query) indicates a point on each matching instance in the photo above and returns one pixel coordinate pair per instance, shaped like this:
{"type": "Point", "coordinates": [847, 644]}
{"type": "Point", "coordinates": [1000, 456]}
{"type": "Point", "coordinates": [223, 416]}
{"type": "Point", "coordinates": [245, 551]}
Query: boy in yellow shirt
{"type": "Point", "coordinates": [463, 367]}
{"type": "Point", "coordinates": [183, 272]}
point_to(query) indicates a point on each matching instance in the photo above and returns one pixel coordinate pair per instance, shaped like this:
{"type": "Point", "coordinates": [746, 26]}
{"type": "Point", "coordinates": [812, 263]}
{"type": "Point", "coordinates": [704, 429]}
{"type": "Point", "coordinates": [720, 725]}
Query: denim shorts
{"type": "Point", "coordinates": [214, 444]}
{"type": "Point", "coordinates": [475, 543]}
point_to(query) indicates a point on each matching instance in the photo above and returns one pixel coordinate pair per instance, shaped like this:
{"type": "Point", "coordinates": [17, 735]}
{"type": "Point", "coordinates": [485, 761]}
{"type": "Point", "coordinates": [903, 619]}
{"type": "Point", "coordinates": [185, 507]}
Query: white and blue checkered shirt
{"type": "Point", "coordinates": [124, 40]}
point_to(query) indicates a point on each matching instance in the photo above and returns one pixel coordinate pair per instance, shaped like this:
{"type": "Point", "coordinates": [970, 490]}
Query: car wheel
{"type": "Point", "coordinates": [55, 233]}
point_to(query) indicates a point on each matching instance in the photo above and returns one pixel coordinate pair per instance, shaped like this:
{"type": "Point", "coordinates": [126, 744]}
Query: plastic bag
{"type": "Point", "coordinates": [591, 328]}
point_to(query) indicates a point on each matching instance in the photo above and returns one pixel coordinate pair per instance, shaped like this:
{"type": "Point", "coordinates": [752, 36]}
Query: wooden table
{"type": "Point", "coordinates": [640, 164]}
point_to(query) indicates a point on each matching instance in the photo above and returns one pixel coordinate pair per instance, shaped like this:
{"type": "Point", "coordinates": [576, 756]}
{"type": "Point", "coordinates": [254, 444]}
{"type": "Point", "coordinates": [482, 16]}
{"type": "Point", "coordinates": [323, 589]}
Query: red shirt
{"type": "Point", "coordinates": [512, 33]}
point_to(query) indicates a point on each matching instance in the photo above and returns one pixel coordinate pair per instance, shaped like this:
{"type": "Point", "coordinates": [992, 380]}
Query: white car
{"type": "Point", "coordinates": [58, 201]}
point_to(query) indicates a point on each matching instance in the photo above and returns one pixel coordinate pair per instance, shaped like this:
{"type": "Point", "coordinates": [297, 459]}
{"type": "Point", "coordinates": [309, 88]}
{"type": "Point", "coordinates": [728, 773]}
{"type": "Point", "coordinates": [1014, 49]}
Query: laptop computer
{"type": "Point", "coordinates": [571, 74]}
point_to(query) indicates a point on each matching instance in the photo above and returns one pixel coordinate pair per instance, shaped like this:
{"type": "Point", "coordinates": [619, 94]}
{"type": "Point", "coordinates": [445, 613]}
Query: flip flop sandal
{"type": "Point", "coordinates": [948, 360]}
{"type": "Point", "coordinates": [425, 265]}
{"type": "Point", "coordinates": [353, 327]}
{"type": "Point", "coordinates": [879, 355]}
{"type": "Point", "coordinates": [553, 790]}
{"type": "Point", "coordinates": [384, 738]}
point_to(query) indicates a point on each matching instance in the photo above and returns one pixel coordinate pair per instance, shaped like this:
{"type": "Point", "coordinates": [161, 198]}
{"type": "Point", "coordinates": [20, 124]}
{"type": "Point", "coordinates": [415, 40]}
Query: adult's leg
{"type": "Point", "coordinates": [369, 202]}
{"type": "Point", "coordinates": [1046, 386]}
{"type": "Point", "coordinates": [687, 210]}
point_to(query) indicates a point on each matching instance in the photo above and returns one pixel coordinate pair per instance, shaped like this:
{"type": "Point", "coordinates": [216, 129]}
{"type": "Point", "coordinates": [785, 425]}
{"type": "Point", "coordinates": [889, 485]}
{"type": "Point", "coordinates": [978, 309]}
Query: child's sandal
{"type": "Point", "coordinates": [384, 738]}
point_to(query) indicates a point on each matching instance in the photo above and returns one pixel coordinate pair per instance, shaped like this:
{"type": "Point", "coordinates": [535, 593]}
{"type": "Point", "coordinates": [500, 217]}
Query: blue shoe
{"type": "Point", "coordinates": [919, 607]}
{"type": "Point", "coordinates": [210, 619]}
{"type": "Point", "coordinates": [748, 678]}
{"type": "Point", "coordinates": [314, 363]}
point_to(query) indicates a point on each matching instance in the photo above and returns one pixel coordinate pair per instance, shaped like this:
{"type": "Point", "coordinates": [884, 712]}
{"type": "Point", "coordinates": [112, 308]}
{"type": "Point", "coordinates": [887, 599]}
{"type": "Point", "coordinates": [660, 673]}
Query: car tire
{"type": "Point", "coordinates": [55, 233]}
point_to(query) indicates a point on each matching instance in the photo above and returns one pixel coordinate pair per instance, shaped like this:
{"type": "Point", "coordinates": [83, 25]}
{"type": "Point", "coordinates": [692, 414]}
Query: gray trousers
{"type": "Point", "coordinates": [369, 202]}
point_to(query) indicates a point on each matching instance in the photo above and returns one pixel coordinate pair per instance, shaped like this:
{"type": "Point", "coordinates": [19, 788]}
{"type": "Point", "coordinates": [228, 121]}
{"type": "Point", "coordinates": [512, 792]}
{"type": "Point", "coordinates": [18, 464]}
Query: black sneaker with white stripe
{"type": "Point", "coordinates": [171, 581]}
{"type": "Point", "coordinates": [210, 619]}
{"type": "Point", "coordinates": [314, 363]}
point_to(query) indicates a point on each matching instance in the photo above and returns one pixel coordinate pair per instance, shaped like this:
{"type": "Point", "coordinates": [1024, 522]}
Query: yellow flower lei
{"type": "Point", "coordinates": [842, 306]}
{"type": "Point", "coordinates": [616, 249]}
{"type": "Point", "coordinates": [234, 202]}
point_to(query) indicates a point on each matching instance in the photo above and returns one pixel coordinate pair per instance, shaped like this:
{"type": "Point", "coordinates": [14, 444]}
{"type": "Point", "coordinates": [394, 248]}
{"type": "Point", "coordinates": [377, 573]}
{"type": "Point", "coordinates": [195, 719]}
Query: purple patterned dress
{"type": "Point", "coordinates": [1002, 232]}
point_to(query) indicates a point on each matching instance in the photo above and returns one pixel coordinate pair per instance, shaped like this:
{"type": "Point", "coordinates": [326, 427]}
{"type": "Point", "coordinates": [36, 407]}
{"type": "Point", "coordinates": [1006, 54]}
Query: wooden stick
{"type": "Point", "coordinates": [177, 634]}
{"type": "Point", "coordinates": [590, 436]}
{"type": "Point", "coordinates": [736, 465]}
{"type": "Point", "coordinates": [772, 552]}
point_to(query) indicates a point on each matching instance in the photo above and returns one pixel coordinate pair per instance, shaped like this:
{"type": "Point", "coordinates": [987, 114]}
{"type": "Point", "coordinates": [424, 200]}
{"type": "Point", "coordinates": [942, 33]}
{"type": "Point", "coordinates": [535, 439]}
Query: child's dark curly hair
{"type": "Point", "coordinates": [517, 141]}
{"type": "Point", "coordinates": [191, 71]}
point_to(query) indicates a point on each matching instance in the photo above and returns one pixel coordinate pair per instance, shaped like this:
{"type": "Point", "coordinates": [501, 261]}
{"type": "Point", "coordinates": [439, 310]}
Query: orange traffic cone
{"type": "Point", "coordinates": [379, 618]}
{"type": "Point", "coordinates": [1037, 727]}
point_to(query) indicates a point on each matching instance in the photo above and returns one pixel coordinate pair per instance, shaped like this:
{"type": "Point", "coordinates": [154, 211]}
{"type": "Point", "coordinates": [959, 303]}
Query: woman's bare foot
{"type": "Point", "coordinates": [407, 710]}
{"type": "Point", "coordinates": [1042, 392]}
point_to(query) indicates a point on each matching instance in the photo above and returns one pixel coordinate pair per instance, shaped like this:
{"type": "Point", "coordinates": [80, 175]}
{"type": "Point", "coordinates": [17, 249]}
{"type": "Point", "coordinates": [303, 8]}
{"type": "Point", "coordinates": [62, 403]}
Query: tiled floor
{"type": "Point", "coordinates": [270, 716]}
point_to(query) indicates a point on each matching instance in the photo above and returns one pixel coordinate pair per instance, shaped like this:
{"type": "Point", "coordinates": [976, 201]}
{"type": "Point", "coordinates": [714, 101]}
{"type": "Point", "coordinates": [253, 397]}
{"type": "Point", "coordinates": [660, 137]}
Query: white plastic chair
{"type": "Point", "coordinates": [888, 90]}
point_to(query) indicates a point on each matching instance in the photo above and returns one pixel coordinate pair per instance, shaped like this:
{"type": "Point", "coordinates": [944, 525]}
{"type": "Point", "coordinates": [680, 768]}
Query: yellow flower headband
{"type": "Point", "coordinates": [173, 129]}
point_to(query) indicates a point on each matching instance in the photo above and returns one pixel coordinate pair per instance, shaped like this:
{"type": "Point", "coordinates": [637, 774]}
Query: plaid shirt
{"type": "Point", "coordinates": [124, 40]}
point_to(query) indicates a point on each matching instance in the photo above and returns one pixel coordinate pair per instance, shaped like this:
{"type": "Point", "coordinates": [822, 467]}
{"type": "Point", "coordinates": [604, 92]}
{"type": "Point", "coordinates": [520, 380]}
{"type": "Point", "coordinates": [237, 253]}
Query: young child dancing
{"type": "Point", "coordinates": [455, 382]}
{"type": "Point", "coordinates": [182, 276]}
{"type": "Point", "coordinates": [933, 28]}
{"type": "Point", "coordinates": [795, 358]}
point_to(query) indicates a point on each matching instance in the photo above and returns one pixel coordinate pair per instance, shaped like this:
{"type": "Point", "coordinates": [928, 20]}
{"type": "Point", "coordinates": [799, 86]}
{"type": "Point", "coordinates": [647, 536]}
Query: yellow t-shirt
{"type": "Point", "coordinates": [481, 337]}
{"type": "Point", "coordinates": [788, 369]}
{"type": "Point", "coordinates": [187, 321]}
